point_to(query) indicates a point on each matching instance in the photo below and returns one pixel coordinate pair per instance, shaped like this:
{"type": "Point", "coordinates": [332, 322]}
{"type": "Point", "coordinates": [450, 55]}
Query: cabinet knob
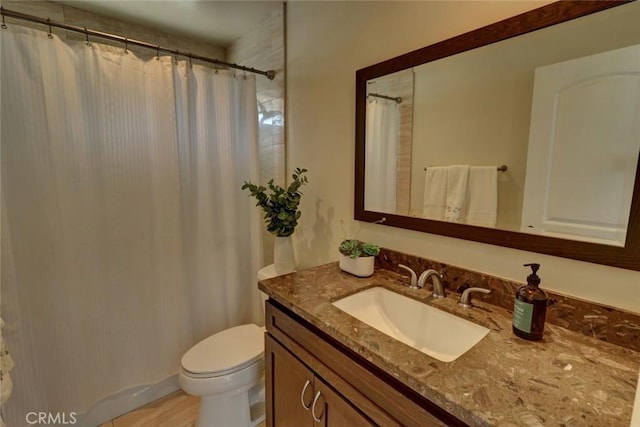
{"type": "Point", "coordinates": [313, 407]}
{"type": "Point", "coordinates": [304, 389]}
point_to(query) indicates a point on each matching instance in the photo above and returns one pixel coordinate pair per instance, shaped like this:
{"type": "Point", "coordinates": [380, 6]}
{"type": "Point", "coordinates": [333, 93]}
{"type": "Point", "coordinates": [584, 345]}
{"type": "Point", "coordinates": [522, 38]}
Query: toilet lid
{"type": "Point", "coordinates": [227, 351]}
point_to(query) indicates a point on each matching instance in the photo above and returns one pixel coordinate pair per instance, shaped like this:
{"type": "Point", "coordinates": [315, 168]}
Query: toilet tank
{"type": "Point", "coordinates": [266, 273]}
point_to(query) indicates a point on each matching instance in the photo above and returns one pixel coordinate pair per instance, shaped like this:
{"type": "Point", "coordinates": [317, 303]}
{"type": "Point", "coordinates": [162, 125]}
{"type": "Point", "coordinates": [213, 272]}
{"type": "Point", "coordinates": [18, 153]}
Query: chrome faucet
{"type": "Point", "coordinates": [418, 283]}
{"type": "Point", "coordinates": [438, 289]}
{"type": "Point", "coordinates": [465, 298]}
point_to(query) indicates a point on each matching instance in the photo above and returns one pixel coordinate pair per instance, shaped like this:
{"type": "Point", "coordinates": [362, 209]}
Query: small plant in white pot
{"type": "Point", "coordinates": [357, 257]}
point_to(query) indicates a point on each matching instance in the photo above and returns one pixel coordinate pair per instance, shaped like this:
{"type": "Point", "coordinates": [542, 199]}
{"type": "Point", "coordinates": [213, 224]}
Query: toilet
{"type": "Point", "coordinates": [227, 371]}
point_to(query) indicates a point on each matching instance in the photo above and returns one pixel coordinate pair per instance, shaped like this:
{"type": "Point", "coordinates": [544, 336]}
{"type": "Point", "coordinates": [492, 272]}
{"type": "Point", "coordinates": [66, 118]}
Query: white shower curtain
{"type": "Point", "coordinates": [125, 235]}
{"type": "Point", "coordinates": [382, 135]}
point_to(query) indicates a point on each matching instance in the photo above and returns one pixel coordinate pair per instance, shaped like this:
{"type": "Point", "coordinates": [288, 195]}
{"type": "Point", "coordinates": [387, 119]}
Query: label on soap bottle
{"type": "Point", "coordinates": [522, 315]}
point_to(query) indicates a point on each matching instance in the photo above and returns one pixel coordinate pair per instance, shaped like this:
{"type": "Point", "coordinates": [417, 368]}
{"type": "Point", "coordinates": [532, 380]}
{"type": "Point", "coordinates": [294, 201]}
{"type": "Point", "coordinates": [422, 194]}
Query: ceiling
{"type": "Point", "coordinates": [218, 22]}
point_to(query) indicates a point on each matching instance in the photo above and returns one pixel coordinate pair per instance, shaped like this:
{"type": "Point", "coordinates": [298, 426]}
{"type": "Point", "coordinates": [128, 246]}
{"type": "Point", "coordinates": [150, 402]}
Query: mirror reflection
{"type": "Point", "coordinates": [538, 133]}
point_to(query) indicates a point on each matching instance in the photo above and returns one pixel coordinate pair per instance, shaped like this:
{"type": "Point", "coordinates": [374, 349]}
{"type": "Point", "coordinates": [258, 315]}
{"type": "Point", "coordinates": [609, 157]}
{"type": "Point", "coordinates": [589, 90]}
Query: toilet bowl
{"type": "Point", "coordinates": [227, 371]}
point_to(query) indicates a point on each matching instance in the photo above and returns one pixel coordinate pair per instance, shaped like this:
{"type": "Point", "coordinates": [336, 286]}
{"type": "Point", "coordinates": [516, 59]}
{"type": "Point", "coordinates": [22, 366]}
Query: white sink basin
{"type": "Point", "coordinates": [434, 332]}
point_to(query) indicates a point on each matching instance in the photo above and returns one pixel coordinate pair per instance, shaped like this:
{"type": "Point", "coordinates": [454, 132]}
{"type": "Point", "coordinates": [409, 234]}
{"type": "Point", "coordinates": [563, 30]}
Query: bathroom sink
{"type": "Point", "coordinates": [434, 332]}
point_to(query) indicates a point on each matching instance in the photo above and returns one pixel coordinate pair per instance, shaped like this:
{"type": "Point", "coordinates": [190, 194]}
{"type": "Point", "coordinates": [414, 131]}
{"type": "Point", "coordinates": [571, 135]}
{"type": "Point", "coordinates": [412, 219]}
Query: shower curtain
{"type": "Point", "coordinates": [382, 134]}
{"type": "Point", "coordinates": [125, 235]}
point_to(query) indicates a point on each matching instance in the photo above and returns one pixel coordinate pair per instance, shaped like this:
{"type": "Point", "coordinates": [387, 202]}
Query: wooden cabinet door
{"type": "Point", "coordinates": [297, 398]}
{"type": "Point", "coordinates": [331, 410]}
{"type": "Point", "coordinates": [289, 388]}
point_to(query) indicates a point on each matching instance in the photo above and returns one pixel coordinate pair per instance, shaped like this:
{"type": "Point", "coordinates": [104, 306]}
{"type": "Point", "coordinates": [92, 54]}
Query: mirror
{"type": "Point", "coordinates": [505, 99]}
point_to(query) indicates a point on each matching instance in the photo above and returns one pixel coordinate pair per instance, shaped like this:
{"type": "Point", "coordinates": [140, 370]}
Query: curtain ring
{"type": "Point", "coordinates": [126, 46]}
{"type": "Point", "coordinates": [49, 35]}
{"type": "Point", "coordinates": [190, 61]}
{"type": "Point", "coordinates": [86, 36]}
{"type": "Point", "coordinates": [4, 26]}
{"type": "Point", "coordinates": [158, 53]}
{"type": "Point", "coordinates": [175, 56]}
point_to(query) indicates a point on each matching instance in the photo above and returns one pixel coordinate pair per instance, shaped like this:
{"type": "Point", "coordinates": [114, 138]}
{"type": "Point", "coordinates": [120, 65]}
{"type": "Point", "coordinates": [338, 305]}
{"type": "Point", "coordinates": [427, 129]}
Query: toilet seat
{"type": "Point", "coordinates": [226, 352]}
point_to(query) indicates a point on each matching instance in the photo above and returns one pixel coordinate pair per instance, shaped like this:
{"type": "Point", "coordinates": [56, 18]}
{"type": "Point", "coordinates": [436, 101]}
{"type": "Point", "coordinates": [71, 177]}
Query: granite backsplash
{"type": "Point", "coordinates": [591, 319]}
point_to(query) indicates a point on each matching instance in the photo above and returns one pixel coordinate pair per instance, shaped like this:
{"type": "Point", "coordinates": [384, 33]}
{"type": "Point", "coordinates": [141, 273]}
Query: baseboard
{"type": "Point", "coordinates": [126, 401]}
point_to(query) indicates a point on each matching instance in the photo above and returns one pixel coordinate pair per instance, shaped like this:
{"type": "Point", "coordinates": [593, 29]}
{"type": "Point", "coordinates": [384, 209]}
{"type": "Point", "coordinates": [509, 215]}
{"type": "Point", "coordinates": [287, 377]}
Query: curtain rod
{"type": "Point", "coordinates": [397, 99]}
{"type": "Point", "coordinates": [17, 15]}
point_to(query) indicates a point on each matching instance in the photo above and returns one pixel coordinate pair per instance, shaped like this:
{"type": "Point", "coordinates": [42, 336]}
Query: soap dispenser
{"type": "Point", "coordinates": [530, 307]}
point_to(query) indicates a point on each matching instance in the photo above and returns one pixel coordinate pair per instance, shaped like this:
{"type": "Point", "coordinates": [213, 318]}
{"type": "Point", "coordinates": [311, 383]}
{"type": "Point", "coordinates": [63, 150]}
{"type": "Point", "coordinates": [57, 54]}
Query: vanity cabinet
{"type": "Point", "coordinates": [313, 380]}
{"type": "Point", "coordinates": [301, 399]}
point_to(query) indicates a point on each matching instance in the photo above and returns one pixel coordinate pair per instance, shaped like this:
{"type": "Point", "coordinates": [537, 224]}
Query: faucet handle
{"type": "Point", "coordinates": [414, 277]}
{"type": "Point", "coordinates": [465, 298]}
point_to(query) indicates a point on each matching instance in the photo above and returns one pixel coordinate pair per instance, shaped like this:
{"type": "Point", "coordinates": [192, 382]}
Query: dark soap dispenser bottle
{"type": "Point", "coordinates": [530, 307]}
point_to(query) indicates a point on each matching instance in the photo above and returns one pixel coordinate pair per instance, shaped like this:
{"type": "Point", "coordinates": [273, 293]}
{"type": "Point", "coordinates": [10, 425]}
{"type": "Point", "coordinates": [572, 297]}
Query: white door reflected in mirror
{"type": "Point", "coordinates": [583, 147]}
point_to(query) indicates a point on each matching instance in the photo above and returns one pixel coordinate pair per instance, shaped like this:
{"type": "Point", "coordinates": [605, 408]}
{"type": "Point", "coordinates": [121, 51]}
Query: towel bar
{"type": "Point", "coordinates": [502, 168]}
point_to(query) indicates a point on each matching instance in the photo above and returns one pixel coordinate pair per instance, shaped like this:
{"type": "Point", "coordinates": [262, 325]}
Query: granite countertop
{"type": "Point", "coordinates": [567, 379]}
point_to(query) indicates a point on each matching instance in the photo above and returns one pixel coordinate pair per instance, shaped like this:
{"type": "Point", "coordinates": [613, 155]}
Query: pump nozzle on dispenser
{"type": "Point", "coordinates": [533, 278]}
{"type": "Point", "coordinates": [534, 267]}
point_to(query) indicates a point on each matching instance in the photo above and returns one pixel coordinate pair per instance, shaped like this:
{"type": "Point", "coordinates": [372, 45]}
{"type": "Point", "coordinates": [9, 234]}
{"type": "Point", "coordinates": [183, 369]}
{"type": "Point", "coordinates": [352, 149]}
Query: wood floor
{"type": "Point", "coordinates": [175, 410]}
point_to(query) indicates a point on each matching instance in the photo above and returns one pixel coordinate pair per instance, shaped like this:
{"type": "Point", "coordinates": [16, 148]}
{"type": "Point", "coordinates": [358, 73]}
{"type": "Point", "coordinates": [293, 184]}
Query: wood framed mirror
{"type": "Point", "coordinates": [542, 22]}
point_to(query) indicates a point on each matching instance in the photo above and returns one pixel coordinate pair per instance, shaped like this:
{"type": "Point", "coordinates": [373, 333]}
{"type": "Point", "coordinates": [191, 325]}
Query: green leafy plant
{"type": "Point", "coordinates": [280, 207]}
{"type": "Point", "coordinates": [354, 248]}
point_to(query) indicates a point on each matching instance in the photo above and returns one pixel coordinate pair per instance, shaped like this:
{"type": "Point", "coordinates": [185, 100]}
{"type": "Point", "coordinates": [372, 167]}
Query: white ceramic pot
{"type": "Point", "coordinates": [284, 260]}
{"type": "Point", "coordinates": [361, 267]}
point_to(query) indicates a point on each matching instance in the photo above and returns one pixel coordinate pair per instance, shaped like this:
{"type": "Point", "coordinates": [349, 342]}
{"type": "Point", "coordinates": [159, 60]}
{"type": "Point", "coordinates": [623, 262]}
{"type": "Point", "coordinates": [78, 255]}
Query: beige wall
{"type": "Point", "coordinates": [470, 111]}
{"type": "Point", "coordinates": [326, 43]}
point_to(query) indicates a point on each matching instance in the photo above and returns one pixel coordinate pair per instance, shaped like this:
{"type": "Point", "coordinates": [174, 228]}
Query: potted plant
{"type": "Point", "coordinates": [281, 215]}
{"type": "Point", "coordinates": [357, 257]}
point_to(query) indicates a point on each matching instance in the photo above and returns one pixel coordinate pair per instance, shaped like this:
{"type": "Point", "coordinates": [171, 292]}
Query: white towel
{"type": "Point", "coordinates": [435, 193]}
{"type": "Point", "coordinates": [483, 196]}
{"type": "Point", "coordinates": [457, 181]}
